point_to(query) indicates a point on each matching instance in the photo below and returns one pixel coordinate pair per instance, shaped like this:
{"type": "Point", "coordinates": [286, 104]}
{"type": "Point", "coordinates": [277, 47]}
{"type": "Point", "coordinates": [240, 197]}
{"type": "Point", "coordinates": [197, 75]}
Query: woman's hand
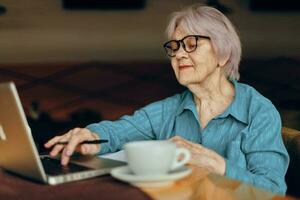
{"type": "Point", "coordinates": [74, 137]}
{"type": "Point", "coordinates": [201, 156]}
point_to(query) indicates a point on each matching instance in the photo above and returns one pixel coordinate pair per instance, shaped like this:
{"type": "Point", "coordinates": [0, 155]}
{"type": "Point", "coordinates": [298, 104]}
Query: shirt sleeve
{"type": "Point", "coordinates": [266, 156]}
{"type": "Point", "coordinates": [144, 124]}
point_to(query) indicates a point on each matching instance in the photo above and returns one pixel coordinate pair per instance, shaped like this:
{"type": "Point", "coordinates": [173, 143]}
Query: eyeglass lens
{"type": "Point", "coordinates": [188, 43]}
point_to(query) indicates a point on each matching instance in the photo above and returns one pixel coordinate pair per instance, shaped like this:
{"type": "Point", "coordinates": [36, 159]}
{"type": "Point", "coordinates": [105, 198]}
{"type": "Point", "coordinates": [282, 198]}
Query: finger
{"type": "Point", "coordinates": [89, 149]}
{"type": "Point", "coordinates": [186, 143]}
{"type": "Point", "coordinates": [59, 147]}
{"type": "Point", "coordinates": [197, 147]}
{"type": "Point", "coordinates": [176, 138]}
{"type": "Point", "coordinates": [180, 140]}
{"type": "Point", "coordinates": [56, 150]}
{"type": "Point", "coordinates": [53, 141]}
{"type": "Point", "coordinates": [77, 137]}
{"type": "Point", "coordinates": [83, 149]}
{"type": "Point", "coordinates": [64, 159]}
{"type": "Point", "coordinates": [180, 143]}
{"type": "Point", "coordinates": [56, 139]}
{"type": "Point", "coordinates": [86, 149]}
{"type": "Point", "coordinates": [193, 146]}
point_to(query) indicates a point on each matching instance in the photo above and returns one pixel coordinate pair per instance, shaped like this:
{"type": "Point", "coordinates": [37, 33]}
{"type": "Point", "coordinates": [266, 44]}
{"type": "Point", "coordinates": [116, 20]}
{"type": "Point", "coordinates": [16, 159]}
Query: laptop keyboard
{"type": "Point", "coordinates": [53, 167]}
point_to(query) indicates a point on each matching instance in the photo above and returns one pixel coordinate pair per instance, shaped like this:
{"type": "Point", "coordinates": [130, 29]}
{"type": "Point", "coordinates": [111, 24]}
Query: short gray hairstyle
{"type": "Point", "coordinates": [208, 21]}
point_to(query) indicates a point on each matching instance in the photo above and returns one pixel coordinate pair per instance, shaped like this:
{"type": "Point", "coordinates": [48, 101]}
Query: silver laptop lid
{"type": "Point", "coordinates": [18, 152]}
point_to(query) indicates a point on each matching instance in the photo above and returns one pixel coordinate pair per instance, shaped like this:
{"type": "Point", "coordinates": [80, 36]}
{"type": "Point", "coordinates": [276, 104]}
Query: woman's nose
{"type": "Point", "coordinates": [181, 52]}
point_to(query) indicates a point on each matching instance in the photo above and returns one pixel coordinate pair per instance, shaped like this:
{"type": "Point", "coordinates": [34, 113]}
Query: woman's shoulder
{"type": "Point", "coordinates": [262, 116]}
{"type": "Point", "coordinates": [256, 102]}
{"type": "Point", "coordinates": [177, 99]}
{"type": "Point", "coordinates": [169, 104]}
{"type": "Point", "coordinates": [251, 95]}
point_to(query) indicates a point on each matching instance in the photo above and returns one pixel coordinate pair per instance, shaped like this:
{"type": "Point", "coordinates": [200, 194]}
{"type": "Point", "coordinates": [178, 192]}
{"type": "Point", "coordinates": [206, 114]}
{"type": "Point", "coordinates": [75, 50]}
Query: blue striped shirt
{"type": "Point", "coordinates": [247, 134]}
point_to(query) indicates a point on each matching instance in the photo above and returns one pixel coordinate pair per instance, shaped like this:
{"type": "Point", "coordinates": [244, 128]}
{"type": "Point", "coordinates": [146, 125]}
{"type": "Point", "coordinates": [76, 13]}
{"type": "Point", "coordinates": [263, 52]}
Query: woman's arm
{"type": "Point", "coordinates": [266, 156]}
{"type": "Point", "coordinates": [144, 124]}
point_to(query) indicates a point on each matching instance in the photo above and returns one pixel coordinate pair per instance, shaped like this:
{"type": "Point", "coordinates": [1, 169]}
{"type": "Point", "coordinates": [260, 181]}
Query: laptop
{"type": "Point", "coordinates": [18, 153]}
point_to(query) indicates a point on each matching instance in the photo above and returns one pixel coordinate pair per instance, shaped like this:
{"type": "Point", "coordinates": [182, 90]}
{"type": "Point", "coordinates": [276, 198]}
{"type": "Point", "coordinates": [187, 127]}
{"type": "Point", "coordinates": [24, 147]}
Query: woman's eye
{"type": "Point", "coordinates": [191, 46]}
{"type": "Point", "coordinates": [173, 46]}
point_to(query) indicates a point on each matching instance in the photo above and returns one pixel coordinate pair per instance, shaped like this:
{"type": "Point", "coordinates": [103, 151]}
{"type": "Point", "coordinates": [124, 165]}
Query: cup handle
{"type": "Point", "coordinates": [186, 157]}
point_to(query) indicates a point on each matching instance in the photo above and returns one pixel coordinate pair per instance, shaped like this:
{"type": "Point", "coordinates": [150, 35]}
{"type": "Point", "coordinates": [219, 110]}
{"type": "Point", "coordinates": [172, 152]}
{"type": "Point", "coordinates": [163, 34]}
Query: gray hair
{"type": "Point", "coordinates": [208, 21]}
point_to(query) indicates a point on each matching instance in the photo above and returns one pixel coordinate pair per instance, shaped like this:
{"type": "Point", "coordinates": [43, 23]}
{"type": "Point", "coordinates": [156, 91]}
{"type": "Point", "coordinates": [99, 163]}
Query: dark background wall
{"type": "Point", "coordinates": [43, 31]}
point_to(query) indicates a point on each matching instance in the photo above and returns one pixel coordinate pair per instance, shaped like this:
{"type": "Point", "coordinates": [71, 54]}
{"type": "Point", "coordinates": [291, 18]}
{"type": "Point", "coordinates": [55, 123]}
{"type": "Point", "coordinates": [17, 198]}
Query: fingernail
{"type": "Point", "coordinates": [68, 153]}
{"type": "Point", "coordinates": [63, 162]}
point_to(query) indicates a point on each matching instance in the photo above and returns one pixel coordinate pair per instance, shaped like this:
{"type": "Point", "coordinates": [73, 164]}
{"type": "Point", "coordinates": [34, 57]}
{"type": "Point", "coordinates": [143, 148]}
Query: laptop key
{"type": "Point", "coordinates": [53, 167]}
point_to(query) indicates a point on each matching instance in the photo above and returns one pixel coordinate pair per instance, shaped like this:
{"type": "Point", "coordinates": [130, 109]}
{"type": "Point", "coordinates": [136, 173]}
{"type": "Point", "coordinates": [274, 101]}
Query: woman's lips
{"type": "Point", "coordinates": [184, 66]}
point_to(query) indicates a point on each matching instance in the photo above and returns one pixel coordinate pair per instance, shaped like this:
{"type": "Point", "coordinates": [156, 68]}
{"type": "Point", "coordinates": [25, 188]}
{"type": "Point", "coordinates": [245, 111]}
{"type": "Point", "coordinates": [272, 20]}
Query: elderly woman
{"type": "Point", "coordinates": [229, 127]}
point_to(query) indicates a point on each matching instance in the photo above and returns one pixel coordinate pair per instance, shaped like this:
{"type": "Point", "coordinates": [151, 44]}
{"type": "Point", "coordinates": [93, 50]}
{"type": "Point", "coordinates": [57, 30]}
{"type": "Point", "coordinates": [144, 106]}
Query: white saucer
{"type": "Point", "coordinates": [124, 173]}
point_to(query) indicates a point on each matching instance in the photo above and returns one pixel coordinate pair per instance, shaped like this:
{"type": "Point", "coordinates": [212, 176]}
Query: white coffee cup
{"type": "Point", "coordinates": [155, 157]}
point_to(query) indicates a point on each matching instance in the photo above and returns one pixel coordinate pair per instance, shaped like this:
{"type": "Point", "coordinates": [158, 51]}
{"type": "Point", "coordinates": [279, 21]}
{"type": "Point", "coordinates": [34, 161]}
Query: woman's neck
{"type": "Point", "coordinates": [212, 89]}
{"type": "Point", "coordinates": [212, 97]}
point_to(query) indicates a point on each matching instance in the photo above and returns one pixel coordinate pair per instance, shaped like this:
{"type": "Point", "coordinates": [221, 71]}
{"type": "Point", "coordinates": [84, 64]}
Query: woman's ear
{"type": "Point", "coordinates": [223, 61]}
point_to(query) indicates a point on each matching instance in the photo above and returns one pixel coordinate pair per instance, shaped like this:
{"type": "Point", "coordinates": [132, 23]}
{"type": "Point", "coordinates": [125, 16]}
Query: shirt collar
{"type": "Point", "coordinates": [237, 109]}
{"type": "Point", "coordinates": [187, 102]}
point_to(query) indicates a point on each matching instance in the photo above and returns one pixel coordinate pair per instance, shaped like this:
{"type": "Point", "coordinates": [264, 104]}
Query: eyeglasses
{"type": "Point", "coordinates": [189, 44]}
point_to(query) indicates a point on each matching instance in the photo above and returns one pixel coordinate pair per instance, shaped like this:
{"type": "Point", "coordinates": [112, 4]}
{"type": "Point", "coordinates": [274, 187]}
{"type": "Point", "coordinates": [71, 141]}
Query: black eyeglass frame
{"type": "Point", "coordinates": [181, 43]}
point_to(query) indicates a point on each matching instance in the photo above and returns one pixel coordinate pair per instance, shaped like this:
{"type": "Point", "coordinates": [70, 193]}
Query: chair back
{"type": "Point", "coordinates": [291, 138]}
